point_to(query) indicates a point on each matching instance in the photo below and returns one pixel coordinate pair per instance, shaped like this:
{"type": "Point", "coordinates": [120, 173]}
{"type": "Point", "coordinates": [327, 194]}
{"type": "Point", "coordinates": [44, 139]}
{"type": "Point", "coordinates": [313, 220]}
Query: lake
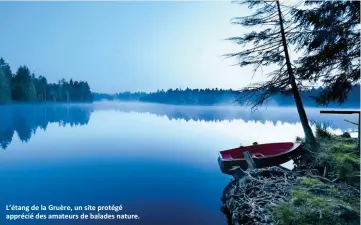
{"type": "Point", "coordinates": [158, 161]}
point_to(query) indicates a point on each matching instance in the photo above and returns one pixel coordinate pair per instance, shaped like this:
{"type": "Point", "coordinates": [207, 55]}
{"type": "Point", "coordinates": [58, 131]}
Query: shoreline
{"type": "Point", "coordinates": [303, 196]}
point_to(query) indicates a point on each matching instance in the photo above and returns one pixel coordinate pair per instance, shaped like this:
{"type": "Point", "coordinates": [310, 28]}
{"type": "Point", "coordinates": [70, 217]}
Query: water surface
{"type": "Point", "coordinates": [158, 161]}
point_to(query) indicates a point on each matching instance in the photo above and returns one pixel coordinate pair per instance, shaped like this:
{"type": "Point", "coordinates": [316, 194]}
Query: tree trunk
{"type": "Point", "coordinates": [67, 96]}
{"type": "Point", "coordinates": [310, 138]}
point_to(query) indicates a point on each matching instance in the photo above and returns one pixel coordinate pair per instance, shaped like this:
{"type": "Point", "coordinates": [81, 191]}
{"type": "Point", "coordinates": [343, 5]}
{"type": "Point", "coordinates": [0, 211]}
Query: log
{"type": "Point", "coordinates": [237, 173]}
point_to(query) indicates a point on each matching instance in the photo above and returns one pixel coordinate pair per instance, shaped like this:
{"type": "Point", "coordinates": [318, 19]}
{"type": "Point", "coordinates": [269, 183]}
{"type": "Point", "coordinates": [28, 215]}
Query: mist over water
{"type": "Point", "coordinates": [229, 113]}
{"type": "Point", "coordinates": [159, 161]}
{"type": "Point", "coordinates": [25, 120]}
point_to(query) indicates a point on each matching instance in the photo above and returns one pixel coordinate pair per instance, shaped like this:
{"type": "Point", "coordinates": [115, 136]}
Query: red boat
{"type": "Point", "coordinates": [263, 155]}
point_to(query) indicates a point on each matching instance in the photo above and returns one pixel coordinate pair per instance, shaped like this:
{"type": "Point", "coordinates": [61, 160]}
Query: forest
{"type": "Point", "coordinates": [25, 86]}
{"type": "Point", "coordinates": [217, 96]}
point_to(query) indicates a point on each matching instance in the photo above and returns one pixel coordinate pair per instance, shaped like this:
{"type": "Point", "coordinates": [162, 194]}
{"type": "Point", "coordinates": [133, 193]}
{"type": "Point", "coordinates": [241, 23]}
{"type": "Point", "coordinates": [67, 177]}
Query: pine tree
{"type": "Point", "coordinates": [5, 91]}
{"type": "Point", "coordinates": [330, 40]}
{"type": "Point", "coordinates": [5, 82]}
{"type": "Point", "coordinates": [23, 87]}
{"type": "Point", "coordinates": [270, 46]}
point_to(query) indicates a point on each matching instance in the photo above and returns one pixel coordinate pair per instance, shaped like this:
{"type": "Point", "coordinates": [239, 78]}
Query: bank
{"type": "Point", "coordinates": [323, 188]}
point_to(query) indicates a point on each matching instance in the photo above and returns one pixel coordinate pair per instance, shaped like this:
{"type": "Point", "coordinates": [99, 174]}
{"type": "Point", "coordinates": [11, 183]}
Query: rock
{"type": "Point", "coordinates": [346, 135]}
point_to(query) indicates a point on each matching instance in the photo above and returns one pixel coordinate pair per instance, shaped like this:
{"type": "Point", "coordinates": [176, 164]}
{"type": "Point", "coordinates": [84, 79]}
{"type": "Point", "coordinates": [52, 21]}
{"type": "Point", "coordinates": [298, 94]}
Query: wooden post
{"type": "Point", "coordinates": [250, 162]}
{"type": "Point", "coordinates": [359, 131]}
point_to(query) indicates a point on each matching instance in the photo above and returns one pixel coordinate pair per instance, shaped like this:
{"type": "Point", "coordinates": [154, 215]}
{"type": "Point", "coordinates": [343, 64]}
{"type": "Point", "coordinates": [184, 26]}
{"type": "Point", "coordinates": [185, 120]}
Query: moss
{"type": "Point", "coordinates": [283, 213]}
{"type": "Point", "coordinates": [346, 164]}
{"type": "Point", "coordinates": [318, 201]}
{"type": "Point", "coordinates": [346, 158]}
{"type": "Point", "coordinates": [335, 190]}
{"type": "Point", "coordinates": [310, 181]}
{"type": "Point", "coordinates": [299, 197]}
{"type": "Point", "coordinates": [338, 146]}
{"type": "Point", "coordinates": [350, 147]}
{"type": "Point", "coordinates": [308, 208]}
{"type": "Point", "coordinates": [312, 201]}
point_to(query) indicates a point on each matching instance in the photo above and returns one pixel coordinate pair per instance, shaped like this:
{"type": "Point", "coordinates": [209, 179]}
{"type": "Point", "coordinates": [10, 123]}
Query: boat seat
{"type": "Point", "coordinates": [257, 155]}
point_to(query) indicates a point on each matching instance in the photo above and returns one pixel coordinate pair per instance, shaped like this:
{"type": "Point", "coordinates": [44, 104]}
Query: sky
{"type": "Point", "coordinates": [126, 46]}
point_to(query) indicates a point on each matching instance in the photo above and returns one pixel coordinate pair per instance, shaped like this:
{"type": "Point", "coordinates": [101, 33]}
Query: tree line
{"type": "Point", "coordinates": [216, 96]}
{"type": "Point", "coordinates": [24, 86]}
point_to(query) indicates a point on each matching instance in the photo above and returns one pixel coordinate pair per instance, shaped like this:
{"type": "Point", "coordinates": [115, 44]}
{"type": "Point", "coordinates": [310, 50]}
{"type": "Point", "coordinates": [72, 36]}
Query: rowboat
{"type": "Point", "coordinates": [263, 155]}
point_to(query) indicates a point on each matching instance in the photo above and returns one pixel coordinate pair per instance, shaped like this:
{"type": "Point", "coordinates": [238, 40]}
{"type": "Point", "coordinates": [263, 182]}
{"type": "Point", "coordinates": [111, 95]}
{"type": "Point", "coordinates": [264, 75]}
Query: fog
{"type": "Point", "coordinates": [229, 113]}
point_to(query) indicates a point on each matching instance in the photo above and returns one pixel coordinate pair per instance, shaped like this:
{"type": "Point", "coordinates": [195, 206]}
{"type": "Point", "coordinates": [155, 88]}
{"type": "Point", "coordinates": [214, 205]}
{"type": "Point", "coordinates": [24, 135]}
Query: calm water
{"type": "Point", "coordinates": [158, 161]}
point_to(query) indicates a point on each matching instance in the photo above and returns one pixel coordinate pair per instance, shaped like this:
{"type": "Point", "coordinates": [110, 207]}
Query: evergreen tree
{"type": "Point", "coordinates": [6, 69]}
{"type": "Point", "coordinates": [5, 91]}
{"type": "Point", "coordinates": [23, 87]}
{"type": "Point", "coordinates": [5, 82]}
{"type": "Point", "coordinates": [330, 41]}
{"type": "Point", "coordinates": [40, 84]}
{"type": "Point", "coordinates": [270, 46]}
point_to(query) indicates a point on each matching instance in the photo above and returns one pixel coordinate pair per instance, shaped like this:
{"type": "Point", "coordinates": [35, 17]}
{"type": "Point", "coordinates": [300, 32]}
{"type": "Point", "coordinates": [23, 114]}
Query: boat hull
{"type": "Point", "coordinates": [226, 164]}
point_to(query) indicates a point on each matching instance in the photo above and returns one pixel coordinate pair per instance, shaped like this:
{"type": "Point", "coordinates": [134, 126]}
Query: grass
{"type": "Point", "coordinates": [322, 128]}
{"type": "Point", "coordinates": [309, 181]}
{"type": "Point", "coordinates": [340, 154]}
{"type": "Point", "coordinates": [314, 202]}
{"type": "Point", "coordinates": [309, 206]}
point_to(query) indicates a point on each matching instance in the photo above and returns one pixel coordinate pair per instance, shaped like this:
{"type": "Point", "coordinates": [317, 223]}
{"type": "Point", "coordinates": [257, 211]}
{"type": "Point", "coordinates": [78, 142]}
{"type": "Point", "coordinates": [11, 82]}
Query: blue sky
{"type": "Point", "coordinates": [119, 46]}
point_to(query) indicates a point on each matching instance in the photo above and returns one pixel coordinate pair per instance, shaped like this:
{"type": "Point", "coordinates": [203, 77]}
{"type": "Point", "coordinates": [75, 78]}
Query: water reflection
{"type": "Point", "coordinates": [128, 154]}
{"type": "Point", "coordinates": [224, 113]}
{"type": "Point", "coordinates": [26, 119]}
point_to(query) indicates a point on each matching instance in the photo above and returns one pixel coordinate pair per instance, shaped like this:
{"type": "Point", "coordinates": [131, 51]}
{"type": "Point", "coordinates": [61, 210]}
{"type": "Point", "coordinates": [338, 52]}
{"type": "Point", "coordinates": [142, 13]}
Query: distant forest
{"type": "Point", "coordinates": [24, 86]}
{"type": "Point", "coordinates": [223, 97]}
{"type": "Point", "coordinates": [26, 120]}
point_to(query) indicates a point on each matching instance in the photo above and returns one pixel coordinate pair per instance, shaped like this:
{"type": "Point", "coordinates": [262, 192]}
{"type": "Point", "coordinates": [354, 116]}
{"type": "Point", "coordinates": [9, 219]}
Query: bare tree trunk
{"type": "Point", "coordinates": [310, 138]}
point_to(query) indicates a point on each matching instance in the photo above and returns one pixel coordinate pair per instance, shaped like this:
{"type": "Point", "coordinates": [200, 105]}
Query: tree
{"type": "Point", "coordinates": [5, 82]}
{"type": "Point", "coordinates": [6, 69]}
{"type": "Point", "coordinates": [330, 41]}
{"type": "Point", "coordinates": [270, 46]}
{"type": "Point", "coordinates": [5, 91]}
{"type": "Point", "coordinates": [40, 84]}
{"type": "Point", "coordinates": [23, 87]}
